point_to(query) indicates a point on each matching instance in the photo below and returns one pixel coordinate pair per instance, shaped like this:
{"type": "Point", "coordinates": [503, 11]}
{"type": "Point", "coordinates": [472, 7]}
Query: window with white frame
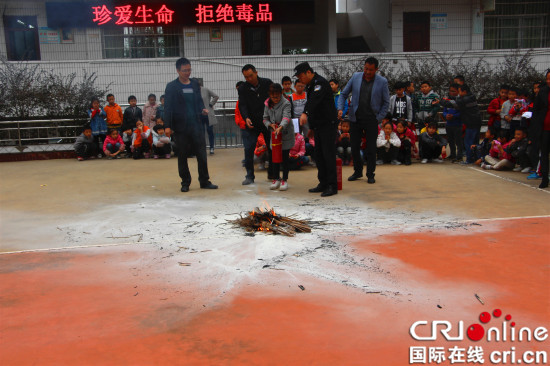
{"type": "Point", "coordinates": [141, 42]}
{"type": "Point", "coordinates": [517, 24]}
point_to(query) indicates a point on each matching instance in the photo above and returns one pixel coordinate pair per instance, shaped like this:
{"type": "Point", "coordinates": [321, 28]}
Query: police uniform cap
{"type": "Point", "coordinates": [302, 67]}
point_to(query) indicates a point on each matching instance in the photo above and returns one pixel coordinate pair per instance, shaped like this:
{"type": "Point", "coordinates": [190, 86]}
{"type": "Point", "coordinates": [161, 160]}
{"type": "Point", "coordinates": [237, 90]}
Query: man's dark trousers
{"type": "Point", "coordinates": [250, 137]}
{"type": "Point", "coordinates": [192, 142]}
{"type": "Point", "coordinates": [370, 127]}
{"type": "Point", "coordinates": [325, 154]}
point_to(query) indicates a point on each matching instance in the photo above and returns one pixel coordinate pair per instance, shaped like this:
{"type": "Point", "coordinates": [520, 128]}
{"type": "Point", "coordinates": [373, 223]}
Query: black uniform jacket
{"type": "Point", "coordinates": [320, 108]}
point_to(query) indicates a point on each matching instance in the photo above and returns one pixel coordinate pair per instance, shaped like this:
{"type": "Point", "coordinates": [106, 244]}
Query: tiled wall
{"type": "Point", "coordinates": [458, 36]}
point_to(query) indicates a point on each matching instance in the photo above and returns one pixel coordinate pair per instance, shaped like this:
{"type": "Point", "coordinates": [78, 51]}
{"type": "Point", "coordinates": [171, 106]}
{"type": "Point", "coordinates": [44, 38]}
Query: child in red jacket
{"type": "Point", "coordinates": [260, 152]}
{"type": "Point", "coordinates": [495, 107]}
{"type": "Point", "coordinates": [142, 140]}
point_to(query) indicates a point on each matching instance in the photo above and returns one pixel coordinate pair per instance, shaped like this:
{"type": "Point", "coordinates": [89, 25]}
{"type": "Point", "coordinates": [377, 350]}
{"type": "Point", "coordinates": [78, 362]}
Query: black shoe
{"type": "Point", "coordinates": [354, 176]}
{"type": "Point", "coordinates": [248, 181]}
{"type": "Point", "coordinates": [329, 192]}
{"type": "Point", "coordinates": [185, 188]}
{"type": "Point", "coordinates": [209, 185]}
{"type": "Point", "coordinates": [544, 183]}
{"type": "Point", "coordinates": [317, 189]}
{"type": "Point", "coordinates": [371, 181]}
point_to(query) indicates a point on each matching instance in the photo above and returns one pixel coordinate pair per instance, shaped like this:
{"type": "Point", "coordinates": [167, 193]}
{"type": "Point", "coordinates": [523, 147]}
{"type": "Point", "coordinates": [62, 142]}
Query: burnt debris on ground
{"type": "Point", "coordinates": [269, 222]}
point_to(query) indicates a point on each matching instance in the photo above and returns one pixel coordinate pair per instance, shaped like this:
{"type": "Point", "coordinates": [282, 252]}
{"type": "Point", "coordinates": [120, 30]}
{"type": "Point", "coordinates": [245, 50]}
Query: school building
{"type": "Point", "coordinates": [102, 30]}
{"type": "Point", "coordinates": [132, 46]}
{"type": "Point", "coordinates": [442, 25]}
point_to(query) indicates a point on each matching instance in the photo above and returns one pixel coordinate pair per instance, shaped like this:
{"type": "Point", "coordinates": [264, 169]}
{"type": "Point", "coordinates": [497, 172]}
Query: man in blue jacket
{"type": "Point", "coordinates": [369, 105]}
{"type": "Point", "coordinates": [183, 107]}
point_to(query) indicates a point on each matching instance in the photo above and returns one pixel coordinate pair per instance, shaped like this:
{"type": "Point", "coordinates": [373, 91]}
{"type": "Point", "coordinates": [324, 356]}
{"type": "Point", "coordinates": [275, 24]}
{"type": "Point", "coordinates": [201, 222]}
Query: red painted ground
{"type": "Point", "coordinates": [82, 307]}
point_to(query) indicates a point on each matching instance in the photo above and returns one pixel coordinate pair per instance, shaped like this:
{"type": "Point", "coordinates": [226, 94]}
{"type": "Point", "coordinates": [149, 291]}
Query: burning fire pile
{"type": "Point", "coordinates": [271, 223]}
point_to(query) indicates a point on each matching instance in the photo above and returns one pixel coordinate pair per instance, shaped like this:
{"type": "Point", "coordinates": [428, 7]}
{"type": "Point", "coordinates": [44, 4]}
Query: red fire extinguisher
{"type": "Point", "coordinates": [339, 173]}
{"type": "Point", "coordinates": [276, 147]}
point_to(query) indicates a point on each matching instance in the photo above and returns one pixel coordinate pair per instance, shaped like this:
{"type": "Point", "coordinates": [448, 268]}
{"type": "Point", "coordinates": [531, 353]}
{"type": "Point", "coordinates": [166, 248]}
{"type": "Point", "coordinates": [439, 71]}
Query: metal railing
{"type": "Point", "coordinates": [60, 134]}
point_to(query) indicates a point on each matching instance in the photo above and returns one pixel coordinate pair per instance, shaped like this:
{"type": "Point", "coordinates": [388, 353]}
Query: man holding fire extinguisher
{"type": "Point", "coordinates": [320, 114]}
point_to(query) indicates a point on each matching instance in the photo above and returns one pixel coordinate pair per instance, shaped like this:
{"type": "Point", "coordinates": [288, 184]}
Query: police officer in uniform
{"type": "Point", "coordinates": [320, 113]}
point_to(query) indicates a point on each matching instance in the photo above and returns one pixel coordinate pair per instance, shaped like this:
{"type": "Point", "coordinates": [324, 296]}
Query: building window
{"type": "Point", "coordinates": [255, 40]}
{"type": "Point", "coordinates": [21, 38]}
{"type": "Point", "coordinates": [517, 24]}
{"type": "Point", "coordinates": [141, 42]}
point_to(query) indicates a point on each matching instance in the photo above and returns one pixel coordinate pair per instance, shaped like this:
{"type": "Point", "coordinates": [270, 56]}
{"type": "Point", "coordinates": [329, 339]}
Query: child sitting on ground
{"type": "Point", "coordinates": [141, 141]}
{"type": "Point", "coordinates": [432, 145]}
{"type": "Point", "coordinates": [97, 122]}
{"type": "Point", "coordinates": [496, 152]}
{"type": "Point", "coordinates": [296, 156]}
{"type": "Point", "coordinates": [85, 146]}
{"type": "Point", "coordinates": [408, 140]}
{"type": "Point", "coordinates": [343, 146]}
{"type": "Point", "coordinates": [260, 152]}
{"type": "Point", "coordinates": [161, 143]}
{"type": "Point", "coordinates": [113, 145]}
{"type": "Point", "coordinates": [484, 148]}
{"type": "Point", "coordinates": [388, 145]}
{"type": "Point", "coordinates": [277, 118]}
{"type": "Point", "coordinates": [518, 151]}
{"type": "Point", "coordinates": [512, 152]}
{"type": "Point", "coordinates": [127, 135]}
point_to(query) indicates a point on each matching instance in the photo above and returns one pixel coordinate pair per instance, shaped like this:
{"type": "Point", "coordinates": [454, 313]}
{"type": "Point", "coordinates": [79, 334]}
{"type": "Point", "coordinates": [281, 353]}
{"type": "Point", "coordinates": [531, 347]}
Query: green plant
{"type": "Point", "coordinates": [341, 71]}
{"type": "Point", "coordinates": [31, 92]}
{"type": "Point", "coordinates": [516, 68]}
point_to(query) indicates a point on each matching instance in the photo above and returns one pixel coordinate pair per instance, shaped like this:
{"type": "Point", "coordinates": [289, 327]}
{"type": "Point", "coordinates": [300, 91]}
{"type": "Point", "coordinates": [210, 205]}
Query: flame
{"type": "Point", "coordinates": [266, 205]}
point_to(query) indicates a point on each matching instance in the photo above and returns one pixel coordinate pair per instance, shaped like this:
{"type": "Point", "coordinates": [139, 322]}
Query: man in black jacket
{"type": "Point", "coordinates": [320, 114]}
{"type": "Point", "coordinates": [183, 107]}
{"type": "Point", "coordinates": [252, 96]}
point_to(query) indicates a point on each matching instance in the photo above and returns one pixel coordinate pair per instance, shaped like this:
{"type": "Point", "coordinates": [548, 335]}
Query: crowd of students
{"type": "Point", "coordinates": [409, 131]}
{"type": "Point", "coordinates": [134, 133]}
